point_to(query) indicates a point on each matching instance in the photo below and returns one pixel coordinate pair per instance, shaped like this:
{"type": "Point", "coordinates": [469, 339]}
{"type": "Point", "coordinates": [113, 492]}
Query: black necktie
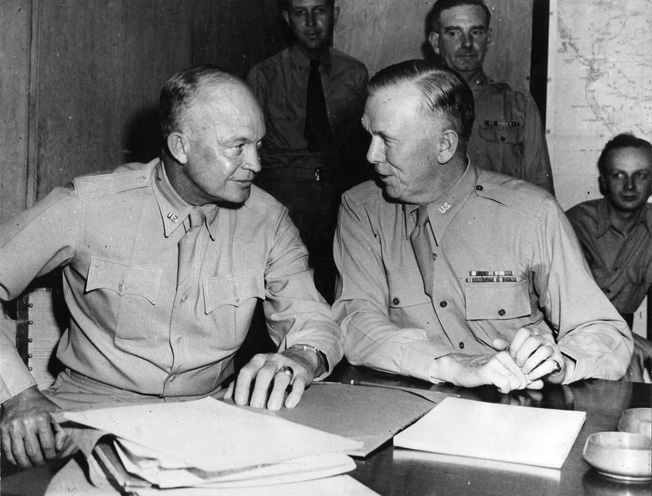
{"type": "Point", "coordinates": [187, 244]}
{"type": "Point", "coordinates": [317, 130]}
{"type": "Point", "coordinates": [423, 250]}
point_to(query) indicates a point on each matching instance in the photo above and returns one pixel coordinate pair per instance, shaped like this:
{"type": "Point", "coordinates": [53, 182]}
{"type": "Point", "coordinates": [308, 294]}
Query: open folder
{"type": "Point", "coordinates": [203, 442]}
{"type": "Point", "coordinates": [505, 433]}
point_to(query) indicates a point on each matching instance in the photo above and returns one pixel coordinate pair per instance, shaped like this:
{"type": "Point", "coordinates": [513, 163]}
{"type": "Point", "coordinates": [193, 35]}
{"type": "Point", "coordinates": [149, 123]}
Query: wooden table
{"type": "Point", "coordinates": [396, 472]}
{"type": "Point", "coordinates": [389, 472]}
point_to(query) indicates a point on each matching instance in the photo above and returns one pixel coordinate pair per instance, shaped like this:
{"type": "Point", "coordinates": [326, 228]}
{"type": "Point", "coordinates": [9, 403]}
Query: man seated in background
{"type": "Point", "coordinates": [163, 264]}
{"type": "Point", "coordinates": [508, 135]}
{"type": "Point", "coordinates": [448, 272]}
{"type": "Point", "coordinates": [312, 97]}
{"type": "Point", "coordinates": [615, 235]}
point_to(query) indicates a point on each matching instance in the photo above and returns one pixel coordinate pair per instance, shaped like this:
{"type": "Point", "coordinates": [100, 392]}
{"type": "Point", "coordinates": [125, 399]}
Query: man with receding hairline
{"type": "Point", "coordinates": [448, 272]}
{"type": "Point", "coordinates": [615, 233]}
{"type": "Point", "coordinates": [163, 265]}
{"type": "Point", "coordinates": [508, 135]}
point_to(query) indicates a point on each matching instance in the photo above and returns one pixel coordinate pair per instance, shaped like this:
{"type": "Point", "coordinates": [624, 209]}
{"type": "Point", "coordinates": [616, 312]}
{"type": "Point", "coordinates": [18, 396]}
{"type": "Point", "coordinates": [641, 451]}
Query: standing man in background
{"type": "Point", "coordinates": [615, 234]}
{"type": "Point", "coordinates": [508, 135]}
{"type": "Point", "coordinates": [312, 98]}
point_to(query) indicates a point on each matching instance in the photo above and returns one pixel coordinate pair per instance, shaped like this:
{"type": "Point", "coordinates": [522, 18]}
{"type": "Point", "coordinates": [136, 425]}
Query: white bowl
{"type": "Point", "coordinates": [620, 455]}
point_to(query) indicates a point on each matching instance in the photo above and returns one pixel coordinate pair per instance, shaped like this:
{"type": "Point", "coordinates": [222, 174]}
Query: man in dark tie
{"type": "Point", "coordinates": [163, 265]}
{"type": "Point", "coordinates": [312, 97]}
{"type": "Point", "coordinates": [448, 272]}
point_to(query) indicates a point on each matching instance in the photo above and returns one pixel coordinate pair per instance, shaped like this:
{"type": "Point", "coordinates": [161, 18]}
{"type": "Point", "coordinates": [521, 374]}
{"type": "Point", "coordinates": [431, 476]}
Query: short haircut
{"type": "Point", "coordinates": [441, 5]}
{"type": "Point", "coordinates": [445, 94]}
{"type": "Point", "coordinates": [287, 4]}
{"type": "Point", "coordinates": [178, 92]}
{"type": "Point", "coordinates": [623, 140]}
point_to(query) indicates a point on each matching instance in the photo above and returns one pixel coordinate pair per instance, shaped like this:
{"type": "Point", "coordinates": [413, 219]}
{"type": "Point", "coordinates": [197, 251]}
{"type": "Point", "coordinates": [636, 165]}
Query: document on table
{"type": "Point", "coordinates": [369, 415]}
{"type": "Point", "coordinates": [506, 433]}
{"type": "Point", "coordinates": [208, 441]}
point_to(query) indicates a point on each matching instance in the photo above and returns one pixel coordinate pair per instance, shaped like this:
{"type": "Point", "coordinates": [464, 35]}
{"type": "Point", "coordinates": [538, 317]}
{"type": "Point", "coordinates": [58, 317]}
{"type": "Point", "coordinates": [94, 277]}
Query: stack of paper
{"type": "Point", "coordinates": [205, 442]}
{"type": "Point", "coordinates": [505, 433]}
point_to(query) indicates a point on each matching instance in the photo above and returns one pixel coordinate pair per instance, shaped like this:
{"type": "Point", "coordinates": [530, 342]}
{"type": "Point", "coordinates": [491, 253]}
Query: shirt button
{"type": "Point", "coordinates": [479, 187]}
{"type": "Point", "coordinates": [501, 312]}
{"type": "Point", "coordinates": [443, 304]}
{"type": "Point", "coordinates": [607, 291]}
{"type": "Point", "coordinates": [461, 345]}
{"type": "Point", "coordinates": [502, 138]}
{"type": "Point", "coordinates": [396, 301]}
{"type": "Point", "coordinates": [172, 378]}
{"type": "Point", "coordinates": [184, 298]}
{"type": "Point", "coordinates": [178, 340]}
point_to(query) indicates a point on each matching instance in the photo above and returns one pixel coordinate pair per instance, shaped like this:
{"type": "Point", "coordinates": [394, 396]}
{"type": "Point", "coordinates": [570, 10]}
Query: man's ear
{"type": "Point", "coordinates": [489, 33]}
{"type": "Point", "coordinates": [433, 39]}
{"type": "Point", "coordinates": [286, 16]}
{"type": "Point", "coordinates": [179, 146]}
{"type": "Point", "coordinates": [448, 142]}
{"type": "Point", "coordinates": [336, 14]}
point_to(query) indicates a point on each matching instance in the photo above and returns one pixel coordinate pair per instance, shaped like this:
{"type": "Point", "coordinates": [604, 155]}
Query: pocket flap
{"type": "Point", "coordinates": [501, 133]}
{"type": "Point", "coordinates": [232, 289]}
{"type": "Point", "coordinates": [497, 300]}
{"type": "Point", "coordinates": [123, 279]}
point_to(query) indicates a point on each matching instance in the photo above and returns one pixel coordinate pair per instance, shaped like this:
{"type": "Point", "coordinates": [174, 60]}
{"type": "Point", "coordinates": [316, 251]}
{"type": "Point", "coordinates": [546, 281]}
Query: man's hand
{"type": "Point", "coordinates": [537, 355]}
{"type": "Point", "coordinates": [30, 437]}
{"type": "Point", "coordinates": [497, 369]}
{"type": "Point", "coordinates": [263, 369]}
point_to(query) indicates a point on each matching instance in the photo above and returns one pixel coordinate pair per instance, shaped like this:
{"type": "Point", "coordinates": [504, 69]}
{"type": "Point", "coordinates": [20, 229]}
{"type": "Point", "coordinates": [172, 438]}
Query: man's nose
{"type": "Point", "coordinates": [311, 19]}
{"type": "Point", "coordinates": [376, 152]}
{"type": "Point", "coordinates": [252, 161]}
{"type": "Point", "coordinates": [467, 40]}
{"type": "Point", "coordinates": [630, 183]}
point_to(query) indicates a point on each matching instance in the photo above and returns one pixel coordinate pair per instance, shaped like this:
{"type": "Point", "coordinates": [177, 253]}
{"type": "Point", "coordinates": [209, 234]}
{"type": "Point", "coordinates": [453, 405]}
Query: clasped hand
{"type": "Point", "coordinates": [522, 363]}
{"type": "Point", "coordinates": [263, 372]}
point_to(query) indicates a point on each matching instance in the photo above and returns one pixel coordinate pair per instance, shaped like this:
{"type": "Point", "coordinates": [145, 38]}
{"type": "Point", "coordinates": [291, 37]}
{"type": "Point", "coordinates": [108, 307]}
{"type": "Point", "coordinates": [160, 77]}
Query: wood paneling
{"type": "Point", "coordinates": [384, 32]}
{"type": "Point", "coordinates": [15, 33]}
{"type": "Point", "coordinates": [97, 67]}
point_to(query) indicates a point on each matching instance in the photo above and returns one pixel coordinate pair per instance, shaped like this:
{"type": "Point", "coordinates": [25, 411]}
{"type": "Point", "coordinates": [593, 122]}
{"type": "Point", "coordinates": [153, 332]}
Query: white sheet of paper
{"type": "Point", "coordinates": [507, 433]}
{"type": "Point", "coordinates": [210, 435]}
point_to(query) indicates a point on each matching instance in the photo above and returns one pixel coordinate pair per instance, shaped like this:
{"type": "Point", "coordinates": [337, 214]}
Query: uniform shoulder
{"type": "Point", "coordinates": [261, 202]}
{"type": "Point", "coordinates": [266, 65]}
{"type": "Point", "coordinates": [350, 61]}
{"type": "Point", "coordinates": [504, 88]}
{"type": "Point", "coordinates": [513, 193]}
{"type": "Point", "coordinates": [583, 208]}
{"type": "Point", "coordinates": [123, 178]}
{"type": "Point", "coordinates": [364, 193]}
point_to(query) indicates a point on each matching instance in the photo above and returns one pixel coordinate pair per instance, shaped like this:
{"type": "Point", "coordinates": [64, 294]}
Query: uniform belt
{"type": "Point", "coordinates": [301, 172]}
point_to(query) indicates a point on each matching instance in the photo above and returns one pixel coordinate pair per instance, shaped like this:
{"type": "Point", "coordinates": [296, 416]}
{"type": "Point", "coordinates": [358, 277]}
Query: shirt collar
{"type": "Point", "coordinates": [301, 60]}
{"type": "Point", "coordinates": [604, 219]}
{"type": "Point", "coordinates": [174, 209]}
{"type": "Point", "coordinates": [479, 82]}
{"type": "Point", "coordinates": [442, 210]}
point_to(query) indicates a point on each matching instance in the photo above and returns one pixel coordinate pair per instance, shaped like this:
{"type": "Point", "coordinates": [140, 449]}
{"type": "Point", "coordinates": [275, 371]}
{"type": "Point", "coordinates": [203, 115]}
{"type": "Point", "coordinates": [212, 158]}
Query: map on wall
{"type": "Point", "coordinates": [600, 84]}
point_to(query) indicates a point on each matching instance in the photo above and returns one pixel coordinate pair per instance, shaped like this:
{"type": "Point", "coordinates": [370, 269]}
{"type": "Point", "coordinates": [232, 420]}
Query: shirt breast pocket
{"type": "Point", "coordinates": [497, 300]}
{"type": "Point", "coordinates": [122, 296]}
{"type": "Point", "coordinates": [233, 290]}
{"type": "Point", "coordinates": [502, 133]}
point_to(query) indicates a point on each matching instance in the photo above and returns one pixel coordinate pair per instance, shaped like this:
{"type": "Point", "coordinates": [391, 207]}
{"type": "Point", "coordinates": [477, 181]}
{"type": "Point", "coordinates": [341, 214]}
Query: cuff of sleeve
{"type": "Point", "coordinates": [574, 358]}
{"type": "Point", "coordinates": [418, 358]}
